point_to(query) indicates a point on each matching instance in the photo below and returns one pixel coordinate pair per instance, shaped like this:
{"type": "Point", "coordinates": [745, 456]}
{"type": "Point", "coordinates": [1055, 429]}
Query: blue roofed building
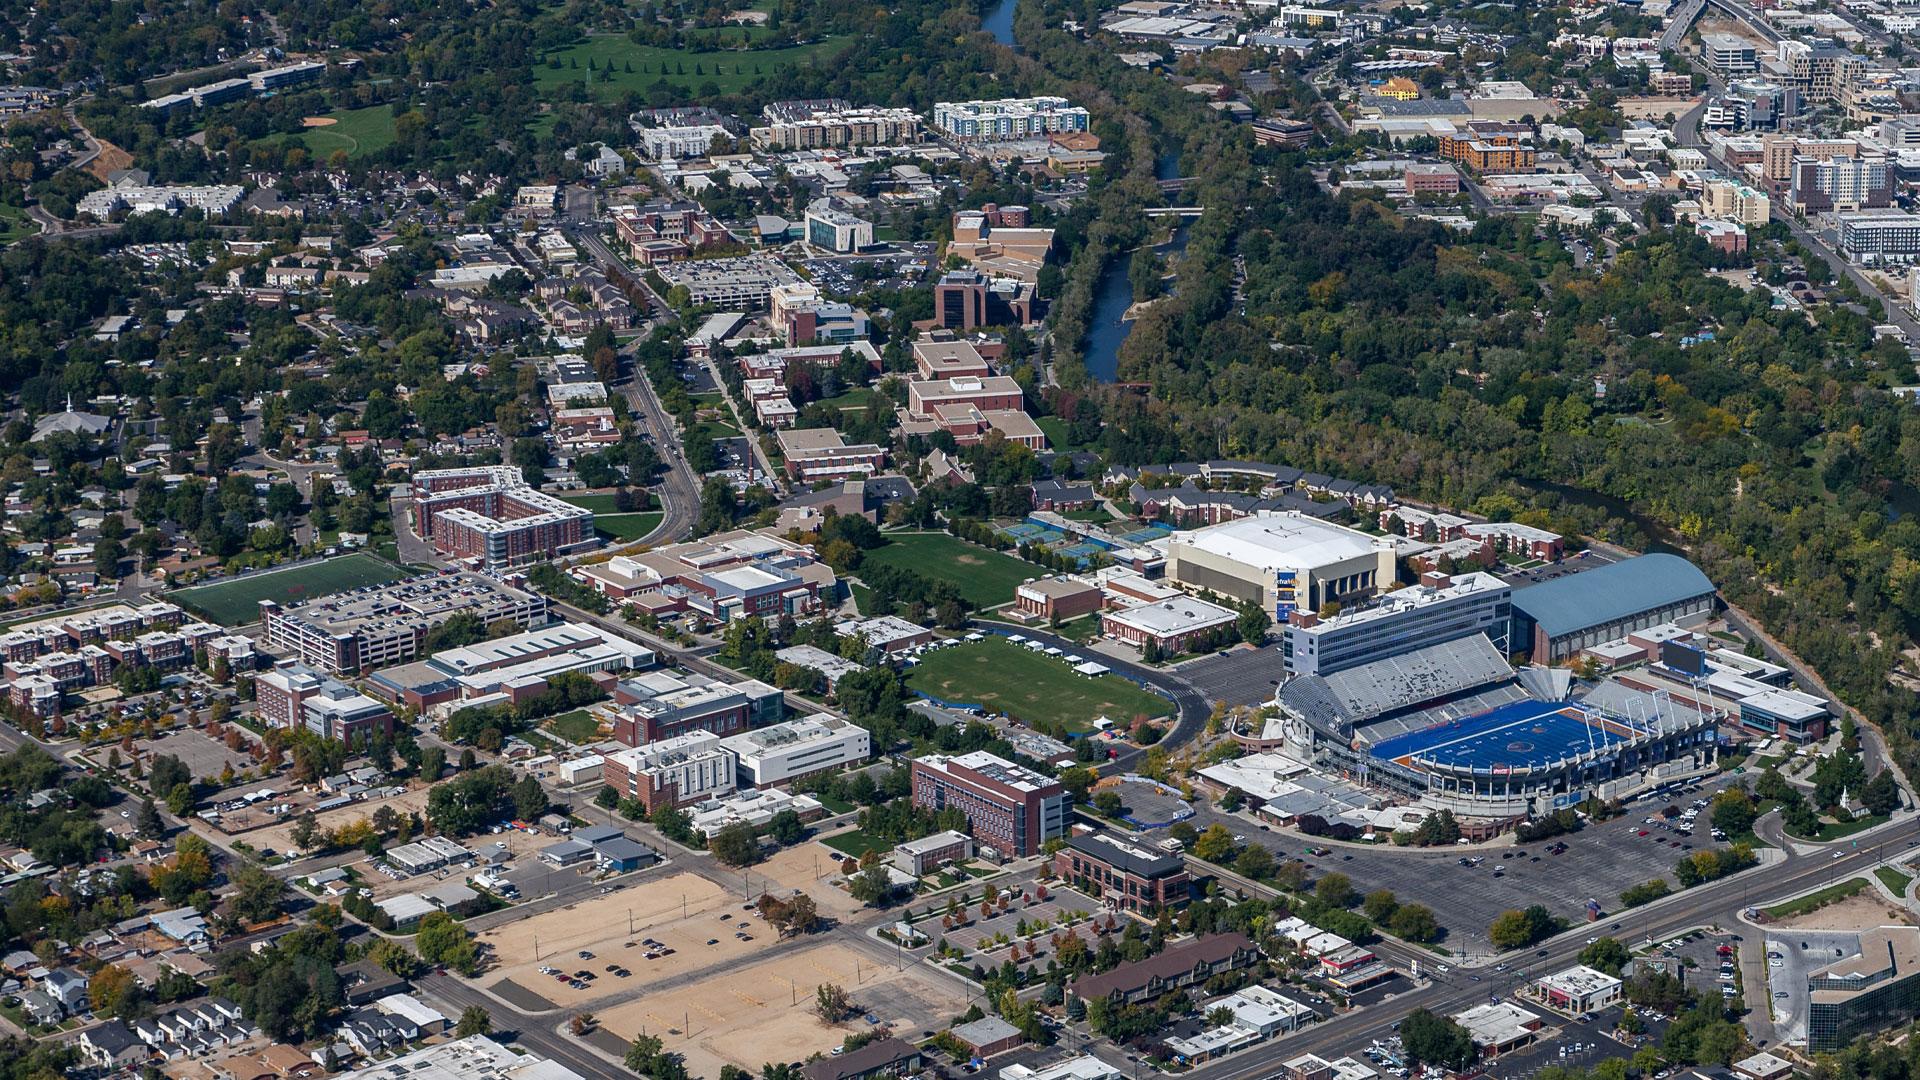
{"type": "Point", "coordinates": [1557, 618]}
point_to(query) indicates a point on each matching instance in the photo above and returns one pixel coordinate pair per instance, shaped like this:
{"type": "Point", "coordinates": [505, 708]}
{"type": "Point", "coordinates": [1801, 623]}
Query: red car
{"type": "Point", "coordinates": [1643, 832]}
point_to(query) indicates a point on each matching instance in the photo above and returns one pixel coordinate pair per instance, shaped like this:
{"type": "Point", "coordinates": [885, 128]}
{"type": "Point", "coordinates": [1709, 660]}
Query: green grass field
{"type": "Point", "coordinates": [1893, 879]}
{"type": "Point", "coordinates": [984, 576]}
{"type": "Point", "coordinates": [855, 843]}
{"type": "Point", "coordinates": [14, 224]}
{"type": "Point", "coordinates": [627, 526]}
{"type": "Point", "coordinates": [357, 131]}
{"type": "Point", "coordinates": [599, 504]}
{"type": "Point", "coordinates": [860, 397]}
{"type": "Point", "coordinates": [577, 727]}
{"type": "Point", "coordinates": [232, 603]}
{"type": "Point", "coordinates": [1030, 686]}
{"type": "Point", "coordinates": [619, 66]}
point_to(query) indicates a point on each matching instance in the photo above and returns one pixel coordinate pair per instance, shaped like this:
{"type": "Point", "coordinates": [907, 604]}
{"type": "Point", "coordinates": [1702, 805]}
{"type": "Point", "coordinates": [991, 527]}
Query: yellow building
{"type": "Point", "coordinates": [1400, 88]}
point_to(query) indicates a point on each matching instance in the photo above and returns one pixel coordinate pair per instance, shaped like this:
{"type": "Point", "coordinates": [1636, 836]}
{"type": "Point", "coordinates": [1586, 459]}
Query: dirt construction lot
{"type": "Point", "coordinates": [810, 868]}
{"type": "Point", "coordinates": [764, 1012]}
{"type": "Point", "coordinates": [683, 911]}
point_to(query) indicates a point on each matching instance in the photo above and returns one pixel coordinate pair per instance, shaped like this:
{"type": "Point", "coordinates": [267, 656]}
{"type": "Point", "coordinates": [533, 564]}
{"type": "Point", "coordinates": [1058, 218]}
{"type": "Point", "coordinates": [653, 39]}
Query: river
{"type": "Point", "coordinates": [1108, 326]}
{"type": "Point", "coordinates": [999, 22]}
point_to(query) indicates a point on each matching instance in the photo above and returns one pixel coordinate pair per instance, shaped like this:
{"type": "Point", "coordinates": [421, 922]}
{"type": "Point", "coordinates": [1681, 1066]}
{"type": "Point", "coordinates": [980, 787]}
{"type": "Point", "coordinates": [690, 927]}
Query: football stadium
{"type": "Point", "coordinates": [1453, 726]}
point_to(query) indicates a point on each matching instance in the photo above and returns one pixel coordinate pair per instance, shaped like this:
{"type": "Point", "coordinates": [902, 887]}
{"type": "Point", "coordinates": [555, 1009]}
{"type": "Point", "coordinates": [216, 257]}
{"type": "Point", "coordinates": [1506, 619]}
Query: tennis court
{"type": "Point", "coordinates": [1521, 735]}
{"type": "Point", "coordinates": [233, 603]}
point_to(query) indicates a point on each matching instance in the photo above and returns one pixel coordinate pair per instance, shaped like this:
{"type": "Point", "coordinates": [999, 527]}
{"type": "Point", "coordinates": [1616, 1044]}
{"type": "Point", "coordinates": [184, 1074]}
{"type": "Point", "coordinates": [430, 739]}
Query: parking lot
{"type": "Point", "coordinates": [1239, 676]}
{"type": "Point", "coordinates": [855, 274]}
{"type": "Point", "coordinates": [1027, 909]}
{"type": "Point", "coordinates": [205, 757]}
{"type": "Point", "coordinates": [1599, 863]}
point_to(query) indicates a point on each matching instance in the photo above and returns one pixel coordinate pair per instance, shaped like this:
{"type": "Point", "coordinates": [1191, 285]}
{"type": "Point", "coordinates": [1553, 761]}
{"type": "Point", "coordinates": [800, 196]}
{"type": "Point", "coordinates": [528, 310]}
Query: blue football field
{"type": "Point", "coordinates": [1520, 735]}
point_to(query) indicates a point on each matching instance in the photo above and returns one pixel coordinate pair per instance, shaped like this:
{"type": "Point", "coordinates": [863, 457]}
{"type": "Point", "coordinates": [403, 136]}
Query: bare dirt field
{"type": "Point", "coordinates": [810, 868]}
{"type": "Point", "coordinates": [764, 1012]}
{"type": "Point", "coordinates": [683, 912]}
{"type": "Point", "coordinates": [318, 121]}
{"type": "Point", "coordinates": [1864, 911]}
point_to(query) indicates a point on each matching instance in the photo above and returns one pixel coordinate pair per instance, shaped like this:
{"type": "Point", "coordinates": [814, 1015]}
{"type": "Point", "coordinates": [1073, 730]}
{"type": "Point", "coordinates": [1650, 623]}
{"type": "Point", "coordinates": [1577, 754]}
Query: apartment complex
{"type": "Point", "coordinates": [1880, 236]}
{"type": "Point", "coordinates": [1817, 185]}
{"type": "Point", "coordinates": [1489, 152]}
{"type": "Point", "coordinates": [1008, 118]}
{"type": "Point", "coordinates": [1007, 806]}
{"type": "Point", "coordinates": [296, 696]}
{"type": "Point", "coordinates": [1730, 200]}
{"type": "Point", "coordinates": [386, 624]}
{"type": "Point", "coordinates": [821, 123]}
{"type": "Point", "coordinates": [490, 517]}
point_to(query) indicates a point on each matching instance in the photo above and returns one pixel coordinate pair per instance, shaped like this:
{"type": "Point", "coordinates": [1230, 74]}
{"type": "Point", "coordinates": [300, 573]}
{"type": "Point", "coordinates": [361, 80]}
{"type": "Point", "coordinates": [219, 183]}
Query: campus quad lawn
{"type": "Point", "coordinates": [1029, 685]}
{"type": "Point", "coordinates": [232, 603]}
{"type": "Point", "coordinates": [984, 576]}
{"type": "Point", "coordinates": [627, 526]}
{"type": "Point", "coordinates": [732, 70]}
{"type": "Point", "coordinates": [577, 727]}
{"type": "Point", "coordinates": [855, 843]}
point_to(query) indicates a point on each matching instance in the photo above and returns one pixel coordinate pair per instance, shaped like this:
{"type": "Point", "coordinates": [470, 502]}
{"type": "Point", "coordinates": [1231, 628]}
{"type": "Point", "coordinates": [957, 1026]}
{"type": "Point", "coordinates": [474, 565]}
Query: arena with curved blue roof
{"type": "Point", "coordinates": [1563, 615]}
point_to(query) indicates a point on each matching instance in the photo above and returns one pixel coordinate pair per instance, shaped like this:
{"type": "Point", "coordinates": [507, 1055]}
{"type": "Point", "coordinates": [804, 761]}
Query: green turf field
{"type": "Point", "coordinates": [627, 526]}
{"type": "Point", "coordinates": [1030, 686]}
{"type": "Point", "coordinates": [985, 577]}
{"type": "Point", "coordinates": [599, 504]}
{"type": "Point", "coordinates": [357, 131]}
{"type": "Point", "coordinates": [232, 603]}
{"type": "Point", "coordinates": [732, 70]}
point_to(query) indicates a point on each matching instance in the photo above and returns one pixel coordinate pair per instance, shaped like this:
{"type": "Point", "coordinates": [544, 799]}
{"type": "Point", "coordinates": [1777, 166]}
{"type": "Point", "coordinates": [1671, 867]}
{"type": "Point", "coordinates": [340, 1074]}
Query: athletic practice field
{"type": "Point", "coordinates": [232, 603]}
{"type": "Point", "coordinates": [1030, 686]}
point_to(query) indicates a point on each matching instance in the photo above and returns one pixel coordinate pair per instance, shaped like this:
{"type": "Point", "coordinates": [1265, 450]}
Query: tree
{"type": "Point", "coordinates": [146, 821]}
{"type": "Point", "coordinates": [1254, 861]}
{"type": "Point", "coordinates": [1335, 891]}
{"type": "Point", "coordinates": [1108, 804]}
{"type": "Point", "coordinates": [1380, 905]}
{"type": "Point", "coordinates": [1431, 1039]}
{"type": "Point", "coordinates": [786, 828]}
{"type": "Point", "coordinates": [1252, 622]}
{"type": "Point", "coordinates": [644, 1055]}
{"type": "Point", "coordinates": [830, 1002]}
{"type": "Point", "coordinates": [1880, 795]}
{"type": "Point", "coordinates": [871, 886]}
{"type": "Point", "coordinates": [257, 894]}
{"type": "Point", "coordinates": [735, 845]}
{"type": "Point", "coordinates": [1415, 923]}
{"type": "Point", "coordinates": [474, 1020]}
{"type": "Point", "coordinates": [166, 773]}
{"type": "Point", "coordinates": [1516, 929]}
{"type": "Point", "coordinates": [1606, 954]}
{"type": "Point", "coordinates": [1213, 845]}
{"type": "Point", "coordinates": [109, 988]}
